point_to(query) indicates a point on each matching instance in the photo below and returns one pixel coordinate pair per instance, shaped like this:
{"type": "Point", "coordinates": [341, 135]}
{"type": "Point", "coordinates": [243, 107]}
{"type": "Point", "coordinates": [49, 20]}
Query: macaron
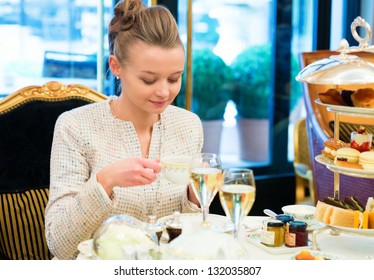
{"type": "Point", "coordinates": [331, 146]}
{"type": "Point", "coordinates": [366, 159]}
{"type": "Point", "coordinates": [350, 154]}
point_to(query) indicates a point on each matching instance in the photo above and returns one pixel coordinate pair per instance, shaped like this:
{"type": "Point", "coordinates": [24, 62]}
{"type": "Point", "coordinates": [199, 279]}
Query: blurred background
{"type": "Point", "coordinates": [245, 56]}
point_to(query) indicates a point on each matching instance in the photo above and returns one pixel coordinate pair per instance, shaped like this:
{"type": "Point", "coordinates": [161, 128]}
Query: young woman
{"type": "Point", "coordinates": [105, 156]}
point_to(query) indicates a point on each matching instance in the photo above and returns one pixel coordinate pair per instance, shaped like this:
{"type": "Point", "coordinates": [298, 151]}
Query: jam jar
{"type": "Point", "coordinates": [286, 219]}
{"type": "Point", "coordinates": [297, 235]}
{"type": "Point", "coordinates": [273, 234]}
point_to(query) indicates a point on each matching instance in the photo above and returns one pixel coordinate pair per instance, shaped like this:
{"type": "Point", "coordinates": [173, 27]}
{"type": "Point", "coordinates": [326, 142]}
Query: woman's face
{"type": "Point", "coordinates": [152, 76]}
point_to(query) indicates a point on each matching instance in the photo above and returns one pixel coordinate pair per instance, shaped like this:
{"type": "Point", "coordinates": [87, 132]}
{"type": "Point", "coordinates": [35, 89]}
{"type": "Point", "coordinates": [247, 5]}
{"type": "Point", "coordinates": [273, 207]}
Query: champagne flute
{"type": "Point", "coordinates": [237, 195]}
{"type": "Point", "coordinates": [206, 179]}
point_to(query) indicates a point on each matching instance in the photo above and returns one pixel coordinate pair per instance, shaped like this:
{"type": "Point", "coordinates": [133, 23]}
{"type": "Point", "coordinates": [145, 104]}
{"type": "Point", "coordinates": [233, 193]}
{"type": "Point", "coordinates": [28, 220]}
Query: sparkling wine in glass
{"type": "Point", "coordinates": [237, 195]}
{"type": "Point", "coordinates": [206, 179]}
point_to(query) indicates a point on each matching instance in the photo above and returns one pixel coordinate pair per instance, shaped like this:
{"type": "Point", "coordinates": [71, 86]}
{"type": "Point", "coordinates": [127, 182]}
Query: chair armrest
{"type": "Point", "coordinates": [303, 171]}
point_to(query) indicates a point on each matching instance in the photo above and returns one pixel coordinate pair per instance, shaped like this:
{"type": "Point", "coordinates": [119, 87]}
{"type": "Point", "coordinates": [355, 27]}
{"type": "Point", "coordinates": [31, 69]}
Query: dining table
{"type": "Point", "coordinates": [328, 241]}
{"type": "Point", "coordinates": [322, 240]}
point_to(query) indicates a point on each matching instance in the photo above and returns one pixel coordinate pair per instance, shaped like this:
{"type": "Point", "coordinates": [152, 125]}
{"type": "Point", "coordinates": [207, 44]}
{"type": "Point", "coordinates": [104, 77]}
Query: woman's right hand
{"type": "Point", "coordinates": [128, 172]}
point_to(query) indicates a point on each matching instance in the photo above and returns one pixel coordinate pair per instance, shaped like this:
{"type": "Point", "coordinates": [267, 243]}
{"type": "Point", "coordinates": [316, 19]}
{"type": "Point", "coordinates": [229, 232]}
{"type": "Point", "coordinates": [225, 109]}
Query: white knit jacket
{"type": "Point", "coordinates": [88, 138]}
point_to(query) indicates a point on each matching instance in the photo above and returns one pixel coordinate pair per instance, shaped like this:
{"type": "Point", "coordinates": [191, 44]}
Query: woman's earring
{"type": "Point", "coordinates": [117, 77]}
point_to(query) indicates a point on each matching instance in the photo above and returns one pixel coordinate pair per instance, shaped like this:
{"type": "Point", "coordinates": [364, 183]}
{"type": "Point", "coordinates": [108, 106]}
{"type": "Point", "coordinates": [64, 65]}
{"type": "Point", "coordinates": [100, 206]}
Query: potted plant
{"type": "Point", "coordinates": [252, 74]}
{"type": "Point", "coordinates": [212, 83]}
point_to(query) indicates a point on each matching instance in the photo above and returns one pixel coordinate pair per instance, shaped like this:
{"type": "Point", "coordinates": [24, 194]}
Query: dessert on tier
{"type": "Point", "coordinates": [361, 140]}
{"type": "Point", "coordinates": [349, 212]}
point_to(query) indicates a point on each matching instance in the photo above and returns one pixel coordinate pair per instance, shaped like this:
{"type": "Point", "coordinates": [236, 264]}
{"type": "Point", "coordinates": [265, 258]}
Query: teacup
{"type": "Point", "coordinates": [301, 212]}
{"type": "Point", "coordinates": [176, 168]}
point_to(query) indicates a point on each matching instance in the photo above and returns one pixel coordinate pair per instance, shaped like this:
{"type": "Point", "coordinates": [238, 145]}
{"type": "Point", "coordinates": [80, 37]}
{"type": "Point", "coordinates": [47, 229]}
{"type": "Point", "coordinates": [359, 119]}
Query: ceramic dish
{"type": "Point", "coordinates": [347, 109]}
{"type": "Point", "coordinates": [177, 169]}
{"type": "Point", "coordinates": [315, 226]}
{"type": "Point", "coordinates": [320, 254]}
{"type": "Point", "coordinates": [361, 173]}
{"type": "Point", "coordinates": [301, 212]}
{"type": "Point", "coordinates": [356, 231]}
{"type": "Point", "coordinates": [255, 239]}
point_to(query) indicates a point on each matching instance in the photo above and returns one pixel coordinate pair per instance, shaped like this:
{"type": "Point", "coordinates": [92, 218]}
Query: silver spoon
{"type": "Point", "coordinates": [270, 213]}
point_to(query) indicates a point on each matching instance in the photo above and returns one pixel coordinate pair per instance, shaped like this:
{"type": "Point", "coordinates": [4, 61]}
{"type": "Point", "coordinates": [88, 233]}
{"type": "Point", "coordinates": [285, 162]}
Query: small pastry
{"type": "Point", "coordinates": [363, 98]}
{"type": "Point", "coordinates": [366, 159]}
{"type": "Point", "coordinates": [331, 146]}
{"type": "Point", "coordinates": [347, 157]}
{"type": "Point", "coordinates": [349, 154]}
{"type": "Point", "coordinates": [331, 96]}
{"type": "Point", "coordinates": [361, 140]}
{"type": "Point", "coordinates": [342, 162]}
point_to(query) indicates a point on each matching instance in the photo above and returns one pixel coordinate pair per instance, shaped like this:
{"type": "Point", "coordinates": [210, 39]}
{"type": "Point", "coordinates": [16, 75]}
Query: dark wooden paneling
{"type": "Point", "coordinates": [271, 192]}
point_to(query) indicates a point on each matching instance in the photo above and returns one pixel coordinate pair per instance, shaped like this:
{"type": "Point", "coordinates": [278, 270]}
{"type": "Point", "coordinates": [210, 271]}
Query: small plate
{"type": "Point", "coordinates": [255, 239]}
{"type": "Point", "coordinates": [315, 226]}
{"type": "Point", "coordinates": [320, 254]}
{"type": "Point", "coordinates": [368, 232]}
{"type": "Point", "coordinates": [347, 109]}
{"type": "Point", "coordinates": [354, 172]}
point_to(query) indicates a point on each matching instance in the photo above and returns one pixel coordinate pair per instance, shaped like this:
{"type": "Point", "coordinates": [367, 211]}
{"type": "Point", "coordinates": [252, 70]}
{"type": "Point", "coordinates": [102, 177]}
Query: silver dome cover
{"type": "Point", "coordinates": [345, 68]}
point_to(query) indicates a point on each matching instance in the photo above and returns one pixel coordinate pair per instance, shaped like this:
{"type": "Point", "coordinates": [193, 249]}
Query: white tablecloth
{"type": "Point", "coordinates": [344, 246]}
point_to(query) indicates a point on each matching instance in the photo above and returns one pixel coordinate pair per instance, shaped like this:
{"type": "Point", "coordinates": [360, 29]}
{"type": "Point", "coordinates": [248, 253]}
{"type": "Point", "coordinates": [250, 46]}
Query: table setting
{"type": "Point", "coordinates": [344, 246]}
{"type": "Point", "coordinates": [292, 235]}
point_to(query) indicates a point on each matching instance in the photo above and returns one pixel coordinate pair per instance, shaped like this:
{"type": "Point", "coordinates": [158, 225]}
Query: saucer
{"type": "Point", "coordinates": [316, 225]}
{"type": "Point", "coordinates": [320, 255]}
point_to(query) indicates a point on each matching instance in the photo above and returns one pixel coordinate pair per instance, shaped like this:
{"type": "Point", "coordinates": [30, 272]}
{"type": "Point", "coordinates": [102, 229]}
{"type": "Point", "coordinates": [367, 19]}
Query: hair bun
{"type": "Point", "coordinates": [128, 21]}
{"type": "Point", "coordinates": [124, 17]}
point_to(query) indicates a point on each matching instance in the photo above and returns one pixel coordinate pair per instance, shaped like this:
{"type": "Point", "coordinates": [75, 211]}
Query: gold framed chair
{"type": "Point", "coordinates": [302, 165]}
{"type": "Point", "coordinates": [27, 119]}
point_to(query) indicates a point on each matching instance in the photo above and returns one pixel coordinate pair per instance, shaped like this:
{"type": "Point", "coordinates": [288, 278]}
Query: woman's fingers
{"type": "Point", "coordinates": [145, 172]}
{"type": "Point", "coordinates": [154, 165]}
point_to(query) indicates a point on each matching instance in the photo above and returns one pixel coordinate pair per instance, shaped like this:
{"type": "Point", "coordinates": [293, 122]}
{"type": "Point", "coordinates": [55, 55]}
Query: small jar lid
{"type": "Point", "coordinates": [298, 225]}
{"type": "Point", "coordinates": [174, 221]}
{"type": "Point", "coordinates": [284, 218]}
{"type": "Point", "coordinates": [275, 223]}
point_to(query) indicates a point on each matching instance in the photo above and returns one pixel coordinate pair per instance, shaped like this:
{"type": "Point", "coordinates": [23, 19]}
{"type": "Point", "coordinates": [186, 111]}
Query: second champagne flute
{"type": "Point", "coordinates": [206, 179]}
{"type": "Point", "coordinates": [237, 195]}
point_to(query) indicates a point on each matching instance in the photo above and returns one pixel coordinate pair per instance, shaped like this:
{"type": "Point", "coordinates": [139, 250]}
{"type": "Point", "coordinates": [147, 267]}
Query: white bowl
{"type": "Point", "coordinates": [177, 169]}
{"type": "Point", "coordinates": [301, 212]}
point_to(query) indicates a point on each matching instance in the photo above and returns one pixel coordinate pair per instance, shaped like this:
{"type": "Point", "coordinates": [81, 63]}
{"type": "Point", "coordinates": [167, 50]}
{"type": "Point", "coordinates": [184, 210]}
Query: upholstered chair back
{"type": "Point", "coordinates": [302, 165]}
{"type": "Point", "coordinates": [27, 119]}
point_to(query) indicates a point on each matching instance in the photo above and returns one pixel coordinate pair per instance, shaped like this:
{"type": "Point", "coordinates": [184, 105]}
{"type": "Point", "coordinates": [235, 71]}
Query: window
{"type": "Point", "coordinates": [232, 50]}
{"type": "Point", "coordinates": [277, 30]}
{"type": "Point", "coordinates": [57, 39]}
{"type": "Point", "coordinates": [302, 41]}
